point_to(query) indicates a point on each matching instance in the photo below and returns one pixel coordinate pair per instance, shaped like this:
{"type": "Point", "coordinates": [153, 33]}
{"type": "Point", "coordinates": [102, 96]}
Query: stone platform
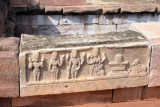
{"type": "Point", "coordinates": [77, 63]}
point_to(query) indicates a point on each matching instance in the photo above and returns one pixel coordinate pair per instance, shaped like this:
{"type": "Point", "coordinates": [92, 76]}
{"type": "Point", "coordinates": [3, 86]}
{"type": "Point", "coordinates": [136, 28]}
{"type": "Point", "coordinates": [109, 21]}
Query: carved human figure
{"type": "Point", "coordinates": [96, 61]}
{"type": "Point", "coordinates": [54, 64]}
{"type": "Point", "coordinates": [75, 63]}
{"type": "Point", "coordinates": [36, 65]}
{"type": "Point", "coordinates": [137, 68]}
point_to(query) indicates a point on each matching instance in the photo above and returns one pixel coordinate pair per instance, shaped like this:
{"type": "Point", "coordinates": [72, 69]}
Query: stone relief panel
{"type": "Point", "coordinates": [67, 64]}
{"type": "Point", "coordinates": [92, 63]}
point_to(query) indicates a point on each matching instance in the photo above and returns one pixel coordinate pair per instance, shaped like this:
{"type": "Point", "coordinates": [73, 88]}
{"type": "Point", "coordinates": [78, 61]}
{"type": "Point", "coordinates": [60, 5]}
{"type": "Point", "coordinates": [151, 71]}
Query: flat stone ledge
{"type": "Point", "coordinates": [152, 33]}
{"type": "Point", "coordinates": [62, 100]}
{"type": "Point", "coordinates": [88, 9]}
{"type": "Point", "coordinates": [78, 63]}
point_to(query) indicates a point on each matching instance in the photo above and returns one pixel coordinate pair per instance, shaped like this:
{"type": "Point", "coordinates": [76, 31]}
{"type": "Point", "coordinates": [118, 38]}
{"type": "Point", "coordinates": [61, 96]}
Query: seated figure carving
{"type": "Point", "coordinates": [137, 68]}
{"type": "Point", "coordinates": [96, 63]}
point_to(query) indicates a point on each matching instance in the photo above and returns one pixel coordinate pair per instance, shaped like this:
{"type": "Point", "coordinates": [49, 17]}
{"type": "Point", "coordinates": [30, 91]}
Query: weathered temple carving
{"type": "Point", "coordinates": [66, 64]}
{"type": "Point", "coordinates": [118, 67]}
{"type": "Point", "coordinates": [137, 68]}
{"type": "Point", "coordinates": [96, 63]}
{"type": "Point", "coordinates": [36, 65]}
{"type": "Point", "coordinates": [55, 64]}
{"type": "Point", "coordinates": [74, 63]}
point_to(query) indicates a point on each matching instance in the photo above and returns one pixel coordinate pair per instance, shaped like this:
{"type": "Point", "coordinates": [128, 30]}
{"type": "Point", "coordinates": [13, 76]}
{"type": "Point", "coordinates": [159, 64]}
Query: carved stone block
{"type": "Point", "coordinates": [77, 63]}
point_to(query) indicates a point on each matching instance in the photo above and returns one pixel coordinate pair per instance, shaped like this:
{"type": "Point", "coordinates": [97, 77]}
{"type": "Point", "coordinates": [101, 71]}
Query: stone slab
{"type": "Point", "coordinates": [128, 94]}
{"type": "Point", "coordinates": [78, 63]}
{"type": "Point", "coordinates": [6, 102]}
{"type": "Point", "coordinates": [83, 19]}
{"type": "Point", "coordinates": [61, 2]}
{"type": "Point", "coordinates": [152, 93]}
{"type": "Point", "coordinates": [60, 100]}
{"type": "Point", "coordinates": [9, 69]}
{"type": "Point", "coordinates": [152, 32]}
{"type": "Point", "coordinates": [123, 27]}
{"type": "Point", "coordinates": [58, 30]}
{"type": "Point", "coordinates": [38, 19]}
{"type": "Point", "coordinates": [98, 29]}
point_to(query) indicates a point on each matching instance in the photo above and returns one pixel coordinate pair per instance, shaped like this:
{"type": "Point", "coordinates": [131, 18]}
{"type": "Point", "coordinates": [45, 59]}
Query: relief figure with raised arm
{"type": "Point", "coordinates": [74, 63]}
{"type": "Point", "coordinates": [36, 65]}
{"type": "Point", "coordinates": [55, 64]}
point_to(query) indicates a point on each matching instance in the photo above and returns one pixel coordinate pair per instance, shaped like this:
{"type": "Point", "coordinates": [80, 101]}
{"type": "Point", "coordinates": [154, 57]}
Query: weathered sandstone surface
{"type": "Point", "coordinates": [77, 63]}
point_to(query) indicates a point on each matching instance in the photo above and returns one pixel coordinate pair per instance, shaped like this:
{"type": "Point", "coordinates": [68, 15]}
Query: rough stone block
{"type": "Point", "coordinates": [132, 104]}
{"type": "Point", "coordinates": [119, 19]}
{"type": "Point", "coordinates": [138, 8]}
{"type": "Point", "coordinates": [30, 20]}
{"type": "Point", "coordinates": [123, 27]}
{"type": "Point", "coordinates": [78, 63]}
{"type": "Point", "coordinates": [22, 29]}
{"type": "Point", "coordinates": [62, 2]}
{"type": "Point", "coordinates": [6, 102]}
{"type": "Point", "coordinates": [58, 30]}
{"type": "Point", "coordinates": [152, 32]}
{"type": "Point", "coordinates": [87, 10]}
{"type": "Point", "coordinates": [33, 2]}
{"type": "Point", "coordinates": [83, 19]}
{"type": "Point", "coordinates": [65, 99]}
{"type": "Point", "coordinates": [111, 9]}
{"type": "Point", "coordinates": [128, 94]}
{"type": "Point", "coordinates": [152, 93]}
{"type": "Point", "coordinates": [106, 19]}
{"type": "Point", "coordinates": [99, 29]}
{"type": "Point", "coordinates": [9, 44]}
{"type": "Point", "coordinates": [38, 20]}
{"type": "Point", "coordinates": [9, 69]}
{"type": "Point", "coordinates": [53, 10]}
{"type": "Point", "coordinates": [52, 19]}
{"type": "Point", "coordinates": [132, 18]}
{"type": "Point", "coordinates": [104, 2]}
{"type": "Point", "coordinates": [22, 20]}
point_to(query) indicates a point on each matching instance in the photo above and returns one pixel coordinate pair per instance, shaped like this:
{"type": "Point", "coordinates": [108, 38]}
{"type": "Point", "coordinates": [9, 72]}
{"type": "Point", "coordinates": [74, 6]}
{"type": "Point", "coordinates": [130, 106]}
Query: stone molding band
{"type": "Point", "coordinates": [87, 9]}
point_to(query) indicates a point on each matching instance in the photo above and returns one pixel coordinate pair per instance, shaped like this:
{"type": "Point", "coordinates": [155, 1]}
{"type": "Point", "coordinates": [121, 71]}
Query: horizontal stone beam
{"type": "Point", "coordinates": [67, 64]}
{"type": "Point", "coordinates": [88, 9]}
{"type": "Point", "coordinates": [78, 2]}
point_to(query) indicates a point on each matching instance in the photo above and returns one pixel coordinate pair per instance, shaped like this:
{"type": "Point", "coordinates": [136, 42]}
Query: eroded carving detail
{"type": "Point", "coordinates": [74, 63]}
{"type": "Point", "coordinates": [137, 68]}
{"type": "Point", "coordinates": [96, 63]}
{"type": "Point", "coordinates": [55, 63]}
{"type": "Point", "coordinates": [119, 66]}
{"type": "Point", "coordinates": [36, 65]}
